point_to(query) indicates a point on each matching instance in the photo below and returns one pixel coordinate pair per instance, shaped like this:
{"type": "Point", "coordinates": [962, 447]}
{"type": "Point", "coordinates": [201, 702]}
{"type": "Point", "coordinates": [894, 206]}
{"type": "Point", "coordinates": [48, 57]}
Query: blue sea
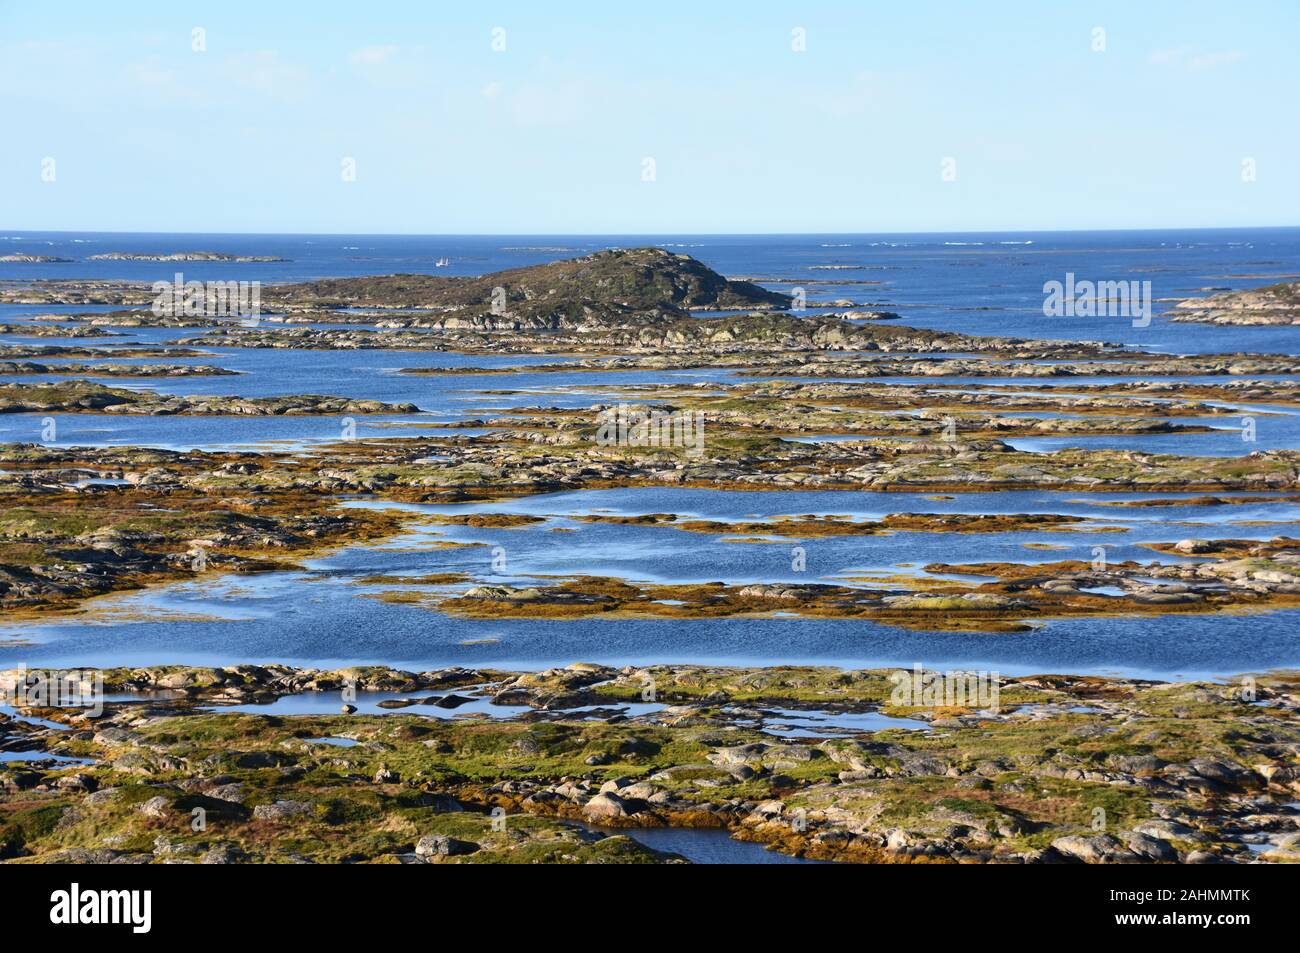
{"type": "Point", "coordinates": [978, 283]}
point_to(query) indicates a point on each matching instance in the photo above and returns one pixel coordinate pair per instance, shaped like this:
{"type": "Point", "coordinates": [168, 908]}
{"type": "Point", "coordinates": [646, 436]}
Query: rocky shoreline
{"type": "Point", "coordinates": [111, 488]}
{"type": "Point", "coordinates": [83, 396]}
{"type": "Point", "coordinates": [18, 368]}
{"type": "Point", "coordinates": [1058, 769]}
{"type": "Point", "coordinates": [1244, 576]}
{"type": "Point", "coordinates": [1269, 306]}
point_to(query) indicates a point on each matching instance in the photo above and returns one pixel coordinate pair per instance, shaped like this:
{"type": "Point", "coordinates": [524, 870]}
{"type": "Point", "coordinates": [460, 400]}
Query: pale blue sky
{"type": "Point", "coordinates": [549, 135]}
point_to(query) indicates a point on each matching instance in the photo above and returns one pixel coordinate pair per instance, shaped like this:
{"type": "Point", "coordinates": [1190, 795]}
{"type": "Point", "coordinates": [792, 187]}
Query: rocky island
{"type": "Point", "coordinates": [81, 396]}
{"type": "Point", "coordinates": [183, 256]}
{"type": "Point", "coordinates": [1277, 304]}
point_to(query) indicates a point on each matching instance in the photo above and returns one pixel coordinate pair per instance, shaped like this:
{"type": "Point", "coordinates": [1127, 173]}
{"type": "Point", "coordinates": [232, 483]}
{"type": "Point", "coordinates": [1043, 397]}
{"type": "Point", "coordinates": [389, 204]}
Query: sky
{"type": "Point", "coordinates": [654, 118]}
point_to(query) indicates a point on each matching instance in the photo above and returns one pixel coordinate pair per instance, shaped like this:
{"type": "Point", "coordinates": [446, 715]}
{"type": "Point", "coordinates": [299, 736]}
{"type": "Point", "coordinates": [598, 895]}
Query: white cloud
{"type": "Point", "coordinates": [373, 55]}
{"type": "Point", "coordinates": [1193, 60]}
{"type": "Point", "coordinates": [551, 101]}
{"type": "Point", "coordinates": [265, 73]}
{"type": "Point", "coordinates": [1004, 151]}
{"type": "Point", "coordinates": [550, 104]}
{"type": "Point", "coordinates": [1212, 60]}
{"type": "Point", "coordinates": [851, 99]}
{"type": "Point", "coordinates": [1166, 57]}
{"type": "Point", "coordinates": [151, 74]}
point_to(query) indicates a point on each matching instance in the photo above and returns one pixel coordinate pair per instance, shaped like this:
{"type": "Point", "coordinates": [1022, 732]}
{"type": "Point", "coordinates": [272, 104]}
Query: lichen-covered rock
{"type": "Point", "coordinates": [439, 845]}
{"type": "Point", "coordinates": [280, 810]}
{"type": "Point", "coordinates": [605, 807]}
{"type": "Point", "coordinates": [1094, 849]}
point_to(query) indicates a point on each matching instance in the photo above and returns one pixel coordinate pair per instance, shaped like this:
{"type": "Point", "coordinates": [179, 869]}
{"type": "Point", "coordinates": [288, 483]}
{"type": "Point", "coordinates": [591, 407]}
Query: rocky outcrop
{"type": "Point", "coordinates": [1277, 304]}
{"type": "Point", "coordinates": [639, 285]}
{"type": "Point", "coordinates": [182, 256]}
{"type": "Point", "coordinates": [88, 397]}
{"type": "Point", "coordinates": [16, 368]}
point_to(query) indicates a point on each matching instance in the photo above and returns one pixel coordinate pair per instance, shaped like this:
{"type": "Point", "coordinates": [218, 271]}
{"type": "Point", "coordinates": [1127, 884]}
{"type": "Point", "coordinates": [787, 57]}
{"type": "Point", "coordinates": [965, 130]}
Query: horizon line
{"type": "Point", "coordinates": [688, 234]}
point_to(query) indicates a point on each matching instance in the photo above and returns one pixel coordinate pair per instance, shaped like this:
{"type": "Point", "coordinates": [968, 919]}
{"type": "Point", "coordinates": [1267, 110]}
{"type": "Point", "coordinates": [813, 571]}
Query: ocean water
{"type": "Point", "coordinates": [325, 616]}
{"type": "Point", "coordinates": [314, 620]}
{"type": "Point", "coordinates": [978, 283]}
{"type": "Point", "coordinates": [981, 283]}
